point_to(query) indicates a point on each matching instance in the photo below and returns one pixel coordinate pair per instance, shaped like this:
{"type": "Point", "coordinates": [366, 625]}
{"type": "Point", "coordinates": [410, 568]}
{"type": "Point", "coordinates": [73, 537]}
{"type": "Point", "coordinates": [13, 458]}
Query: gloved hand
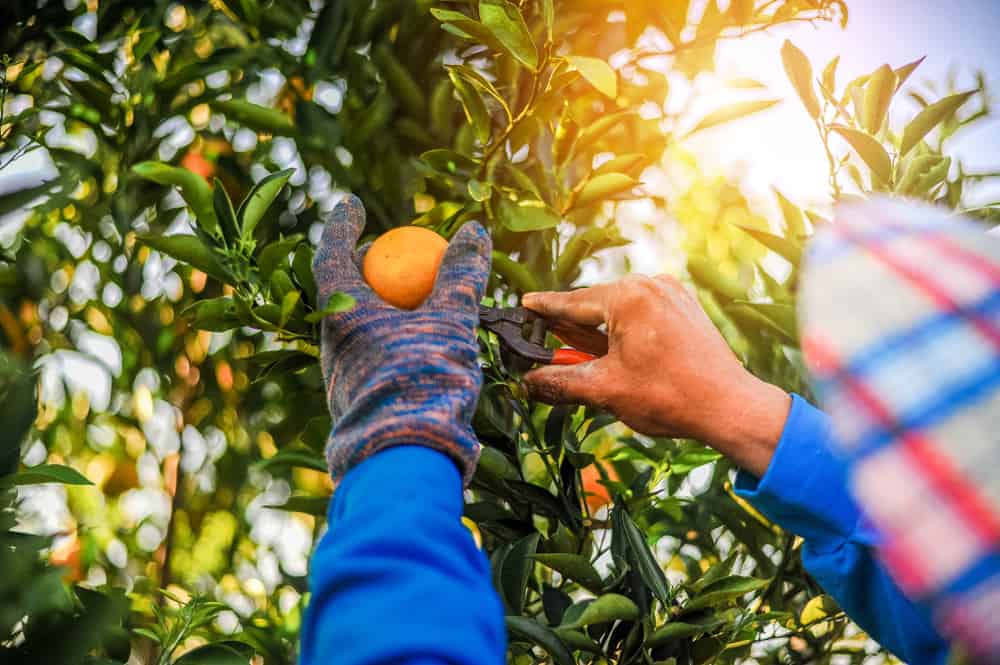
{"type": "Point", "coordinates": [393, 376]}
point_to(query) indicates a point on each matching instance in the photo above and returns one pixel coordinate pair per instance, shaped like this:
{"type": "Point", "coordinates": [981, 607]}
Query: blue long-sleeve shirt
{"type": "Point", "coordinates": [398, 579]}
{"type": "Point", "coordinates": [805, 491]}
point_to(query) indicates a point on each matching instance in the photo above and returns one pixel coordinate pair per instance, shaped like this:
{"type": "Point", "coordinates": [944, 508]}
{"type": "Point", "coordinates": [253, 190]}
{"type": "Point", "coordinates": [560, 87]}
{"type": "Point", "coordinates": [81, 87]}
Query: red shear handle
{"type": "Point", "coordinates": [571, 357]}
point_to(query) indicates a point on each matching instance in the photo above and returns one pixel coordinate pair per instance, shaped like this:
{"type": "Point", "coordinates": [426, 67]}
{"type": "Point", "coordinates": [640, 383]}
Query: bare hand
{"type": "Point", "coordinates": [665, 370]}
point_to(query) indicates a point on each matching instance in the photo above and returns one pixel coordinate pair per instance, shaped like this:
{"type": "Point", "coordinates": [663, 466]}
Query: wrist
{"type": "Point", "coordinates": [750, 423]}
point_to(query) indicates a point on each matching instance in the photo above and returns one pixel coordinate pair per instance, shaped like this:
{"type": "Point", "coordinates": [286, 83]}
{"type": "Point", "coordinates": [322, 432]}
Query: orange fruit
{"type": "Point", "coordinates": [194, 161]}
{"type": "Point", "coordinates": [597, 494]}
{"type": "Point", "coordinates": [402, 264]}
{"type": "Point", "coordinates": [67, 554]}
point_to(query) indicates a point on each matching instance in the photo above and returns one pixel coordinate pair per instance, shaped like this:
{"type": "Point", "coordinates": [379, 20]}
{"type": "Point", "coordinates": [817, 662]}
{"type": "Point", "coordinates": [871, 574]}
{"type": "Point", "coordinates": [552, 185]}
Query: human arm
{"type": "Point", "coordinates": [804, 490]}
{"type": "Point", "coordinates": [665, 371]}
{"type": "Point", "coordinates": [397, 578]}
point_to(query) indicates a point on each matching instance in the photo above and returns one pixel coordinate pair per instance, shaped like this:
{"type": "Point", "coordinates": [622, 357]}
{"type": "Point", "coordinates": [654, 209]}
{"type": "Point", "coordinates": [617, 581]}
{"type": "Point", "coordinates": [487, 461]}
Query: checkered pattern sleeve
{"type": "Point", "coordinates": [900, 315]}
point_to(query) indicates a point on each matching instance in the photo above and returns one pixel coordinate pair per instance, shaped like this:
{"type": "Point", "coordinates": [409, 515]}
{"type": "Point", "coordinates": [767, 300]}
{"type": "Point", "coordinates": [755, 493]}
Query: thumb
{"type": "Point", "coordinates": [569, 384]}
{"type": "Point", "coordinates": [464, 270]}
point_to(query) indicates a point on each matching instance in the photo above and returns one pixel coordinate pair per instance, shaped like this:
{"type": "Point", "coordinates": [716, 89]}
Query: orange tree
{"type": "Point", "coordinates": [157, 278]}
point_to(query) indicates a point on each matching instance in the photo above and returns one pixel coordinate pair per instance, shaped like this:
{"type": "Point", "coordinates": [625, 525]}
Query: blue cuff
{"type": "Point", "coordinates": [401, 474]}
{"type": "Point", "coordinates": [804, 489]}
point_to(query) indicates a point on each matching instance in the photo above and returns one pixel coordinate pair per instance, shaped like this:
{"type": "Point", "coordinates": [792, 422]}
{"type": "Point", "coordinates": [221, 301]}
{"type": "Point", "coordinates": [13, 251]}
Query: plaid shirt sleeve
{"type": "Point", "coordinates": [805, 491]}
{"type": "Point", "coordinates": [900, 317]}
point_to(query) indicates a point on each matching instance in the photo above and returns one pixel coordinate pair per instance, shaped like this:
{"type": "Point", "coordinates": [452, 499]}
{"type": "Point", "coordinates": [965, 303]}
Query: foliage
{"type": "Point", "coordinates": [195, 147]}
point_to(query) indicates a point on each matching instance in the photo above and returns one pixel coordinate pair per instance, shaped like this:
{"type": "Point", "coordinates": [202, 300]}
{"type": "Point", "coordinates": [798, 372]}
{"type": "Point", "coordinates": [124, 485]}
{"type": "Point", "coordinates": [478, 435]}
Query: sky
{"type": "Point", "coordinates": [781, 147]}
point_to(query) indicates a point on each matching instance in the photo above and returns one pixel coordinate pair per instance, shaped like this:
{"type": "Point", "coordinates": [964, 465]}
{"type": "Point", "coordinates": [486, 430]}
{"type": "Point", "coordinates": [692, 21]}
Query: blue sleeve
{"type": "Point", "coordinates": [397, 578]}
{"type": "Point", "coordinates": [805, 491]}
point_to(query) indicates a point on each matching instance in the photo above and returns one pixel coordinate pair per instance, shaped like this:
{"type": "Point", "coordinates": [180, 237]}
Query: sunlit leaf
{"type": "Point", "coordinates": [799, 72]}
{"type": "Point", "coordinates": [597, 72]}
{"type": "Point", "coordinates": [732, 112]}
{"type": "Point", "coordinates": [604, 186]}
{"type": "Point", "coordinates": [929, 118]}
{"type": "Point", "coordinates": [878, 94]}
{"type": "Point", "coordinates": [526, 215]}
{"type": "Point", "coordinates": [504, 20]}
{"type": "Point", "coordinates": [870, 151]}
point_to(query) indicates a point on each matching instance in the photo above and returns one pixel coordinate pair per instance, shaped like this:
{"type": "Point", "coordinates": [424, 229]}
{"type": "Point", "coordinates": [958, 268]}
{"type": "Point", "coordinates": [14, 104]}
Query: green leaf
{"type": "Point", "coordinates": [602, 126]}
{"type": "Point", "coordinates": [194, 189]}
{"type": "Point", "coordinates": [829, 76]}
{"type": "Point", "coordinates": [609, 607]}
{"type": "Point", "coordinates": [516, 275]}
{"type": "Point", "coordinates": [256, 117]}
{"type": "Point", "coordinates": [629, 163]}
{"type": "Point", "coordinates": [800, 73]}
{"type": "Point", "coordinates": [449, 161]}
{"type": "Point", "coordinates": [733, 112]}
{"type": "Point", "coordinates": [504, 20]}
{"type": "Point", "coordinates": [191, 250]}
{"type": "Point", "coordinates": [724, 591]}
{"type": "Point", "coordinates": [275, 253]}
{"type": "Point", "coordinates": [870, 151]}
{"type": "Point", "coordinates": [283, 459]}
{"type": "Point", "coordinates": [215, 314]}
{"type": "Point", "coordinates": [259, 200]}
{"type": "Point", "coordinates": [597, 72]}
{"type": "Point", "coordinates": [604, 186]}
{"type": "Point", "coordinates": [795, 224]}
{"type": "Point", "coordinates": [474, 107]}
{"type": "Point", "coordinates": [776, 317]}
{"type": "Point", "coordinates": [641, 556]}
{"type": "Point", "coordinates": [288, 303]}
{"type": "Point", "coordinates": [480, 191]}
{"type": "Point", "coordinates": [791, 251]}
{"type": "Point", "coordinates": [218, 653]}
{"type": "Point", "coordinates": [929, 118]}
{"type": "Point", "coordinates": [574, 567]}
{"type": "Point", "coordinates": [225, 214]}
{"type": "Point", "coordinates": [526, 215]}
{"type": "Point", "coordinates": [495, 464]}
{"type": "Point", "coordinates": [19, 396]}
{"type": "Point", "coordinates": [466, 27]}
{"type": "Point", "coordinates": [45, 473]}
{"type": "Point", "coordinates": [515, 569]}
{"type": "Point", "coordinates": [478, 81]}
{"type": "Point", "coordinates": [671, 632]}
{"type": "Point", "coordinates": [707, 273]}
{"type": "Point", "coordinates": [338, 302]}
{"type": "Point", "coordinates": [878, 94]}
{"type": "Point", "coordinates": [577, 640]}
{"type": "Point", "coordinates": [528, 629]}
{"type": "Point", "coordinates": [904, 72]}
{"type": "Point", "coordinates": [311, 505]}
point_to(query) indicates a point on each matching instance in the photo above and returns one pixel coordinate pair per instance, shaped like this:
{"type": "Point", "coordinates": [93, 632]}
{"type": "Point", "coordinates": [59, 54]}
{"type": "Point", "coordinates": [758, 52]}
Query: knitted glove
{"type": "Point", "coordinates": [393, 376]}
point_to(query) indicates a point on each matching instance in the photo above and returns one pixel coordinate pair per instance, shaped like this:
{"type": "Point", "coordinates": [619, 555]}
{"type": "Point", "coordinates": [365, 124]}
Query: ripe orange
{"type": "Point", "coordinates": [597, 494]}
{"type": "Point", "coordinates": [195, 161]}
{"type": "Point", "coordinates": [402, 264]}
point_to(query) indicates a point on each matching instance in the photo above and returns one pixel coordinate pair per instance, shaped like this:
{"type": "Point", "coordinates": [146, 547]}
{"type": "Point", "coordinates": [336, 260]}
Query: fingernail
{"type": "Point", "coordinates": [528, 298]}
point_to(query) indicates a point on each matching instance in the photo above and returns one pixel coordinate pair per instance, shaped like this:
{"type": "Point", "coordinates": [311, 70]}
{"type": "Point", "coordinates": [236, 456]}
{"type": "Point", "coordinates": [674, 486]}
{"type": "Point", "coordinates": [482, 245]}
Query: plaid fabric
{"type": "Point", "coordinates": [900, 315]}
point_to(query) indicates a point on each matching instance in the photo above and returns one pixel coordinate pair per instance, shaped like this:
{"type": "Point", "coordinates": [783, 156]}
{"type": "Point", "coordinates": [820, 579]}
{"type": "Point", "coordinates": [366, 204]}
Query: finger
{"type": "Point", "coordinates": [584, 338]}
{"type": "Point", "coordinates": [333, 265]}
{"type": "Point", "coordinates": [464, 270]}
{"type": "Point", "coordinates": [568, 384]}
{"type": "Point", "coordinates": [359, 256]}
{"type": "Point", "coordinates": [586, 307]}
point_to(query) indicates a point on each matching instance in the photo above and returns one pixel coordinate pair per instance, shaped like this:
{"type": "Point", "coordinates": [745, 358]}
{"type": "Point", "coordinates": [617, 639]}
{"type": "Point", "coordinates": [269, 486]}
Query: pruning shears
{"type": "Point", "coordinates": [522, 333]}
